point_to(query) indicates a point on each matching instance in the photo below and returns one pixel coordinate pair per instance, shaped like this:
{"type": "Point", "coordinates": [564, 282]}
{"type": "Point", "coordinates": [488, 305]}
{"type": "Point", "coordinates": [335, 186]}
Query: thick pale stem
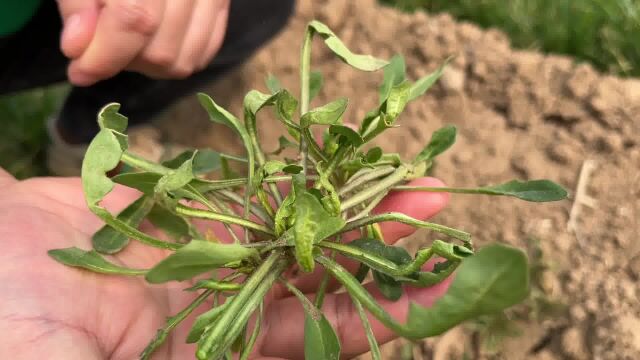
{"type": "Point", "coordinates": [305, 75]}
{"type": "Point", "coordinates": [363, 179]}
{"type": "Point", "coordinates": [382, 186]}
{"type": "Point", "coordinates": [229, 219]}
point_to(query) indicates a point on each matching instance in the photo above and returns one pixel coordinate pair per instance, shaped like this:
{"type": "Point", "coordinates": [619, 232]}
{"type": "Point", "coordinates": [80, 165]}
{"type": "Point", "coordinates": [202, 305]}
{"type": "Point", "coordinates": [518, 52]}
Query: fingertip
{"type": "Point", "coordinates": [77, 32]}
{"type": "Point", "coordinates": [419, 205]}
{"type": "Point", "coordinates": [78, 77]}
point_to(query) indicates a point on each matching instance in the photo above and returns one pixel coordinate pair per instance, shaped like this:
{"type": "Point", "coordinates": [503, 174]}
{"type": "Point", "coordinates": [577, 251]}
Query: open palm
{"type": "Point", "coordinates": [51, 311]}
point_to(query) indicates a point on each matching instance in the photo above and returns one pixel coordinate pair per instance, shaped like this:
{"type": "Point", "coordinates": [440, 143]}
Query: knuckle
{"type": "Point", "coordinates": [161, 58]}
{"type": "Point", "coordinates": [134, 15]}
{"type": "Point", "coordinates": [182, 72]}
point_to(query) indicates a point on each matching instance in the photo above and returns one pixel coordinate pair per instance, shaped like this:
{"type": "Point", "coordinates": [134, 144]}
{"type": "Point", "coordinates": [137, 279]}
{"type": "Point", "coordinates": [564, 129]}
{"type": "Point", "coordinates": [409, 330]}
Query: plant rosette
{"type": "Point", "coordinates": [334, 186]}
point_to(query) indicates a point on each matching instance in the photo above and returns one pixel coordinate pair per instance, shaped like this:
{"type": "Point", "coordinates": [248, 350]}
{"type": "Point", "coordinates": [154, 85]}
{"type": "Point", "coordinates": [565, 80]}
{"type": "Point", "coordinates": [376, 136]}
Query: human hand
{"type": "Point", "coordinates": [47, 309]}
{"type": "Point", "coordinates": [158, 38]}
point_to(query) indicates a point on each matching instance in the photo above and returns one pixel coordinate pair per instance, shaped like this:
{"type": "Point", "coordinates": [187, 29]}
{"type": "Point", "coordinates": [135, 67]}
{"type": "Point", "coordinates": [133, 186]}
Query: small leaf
{"type": "Point", "coordinates": [292, 169]}
{"type": "Point", "coordinates": [176, 179]}
{"type": "Point", "coordinates": [352, 137]}
{"type": "Point", "coordinates": [315, 84]}
{"type": "Point", "coordinates": [320, 340]}
{"type": "Point", "coordinates": [394, 74]}
{"type": "Point", "coordinates": [90, 260]}
{"type": "Point", "coordinates": [388, 286]}
{"type": "Point", "coordinates": [142, 181]}
{"type": "Point", "coordinates": [284, 143]}
{"type": "Point", "coordinates": [328, 114]}
{"type": "Point", "coordinates": [422, 85]}
{"type": "Point", "coordinates": [195, 258]}
{"type": "Point", "coordinates": [360, 62]}
{"type": "Point", "coordinates": [173, 225]}
{"type": "Point", "coordinates": [441, 140]}
{"type": "Point", "coordinates": [533, 190]}
{"type": "Point", "coordinates": [494, 279]}
{"type": "Point", "coordinates": [373, 155]}
{"type": "Point", "coordinates": [204, 161]}
{"type": "Point", "coordinates": [273, 84]}
{"type": "Point", "coordinates": [108, 240]}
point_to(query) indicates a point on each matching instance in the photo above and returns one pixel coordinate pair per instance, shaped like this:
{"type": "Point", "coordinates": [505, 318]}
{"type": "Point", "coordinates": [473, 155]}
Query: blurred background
{"type": "Point", "coordinates": [537, 89]}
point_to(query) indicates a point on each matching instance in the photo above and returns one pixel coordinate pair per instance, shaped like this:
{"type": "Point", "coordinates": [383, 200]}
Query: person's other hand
{"type": "Point", "coordinates": [158, 38]}
{"type": "Point", "coordinates": [57, 312]}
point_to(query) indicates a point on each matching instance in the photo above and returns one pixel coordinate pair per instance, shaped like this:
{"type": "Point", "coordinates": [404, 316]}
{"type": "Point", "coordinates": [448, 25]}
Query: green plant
{"type": "Point", "coordinates": [334, 186]}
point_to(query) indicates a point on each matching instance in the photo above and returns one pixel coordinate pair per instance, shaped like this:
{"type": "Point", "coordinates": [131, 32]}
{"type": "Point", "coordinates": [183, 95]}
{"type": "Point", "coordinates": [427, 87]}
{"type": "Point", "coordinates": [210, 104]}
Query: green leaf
{"type": "Point", "coordinates": [284, 143]}
{"type": "Point", "coordinates": [90, 260]}
{"type": "Point", "coordinates": [108, 240]}
{"type": "Point", "coordinates": [204, 161]}
{"type": "Point", "coordinates": [315, 84]}
{"type": "Point", "coordinates": [441, 140]}
{"type": "Point", "coordinates": [360, 62]}
{"type": "Point", "coordinates": [142, 181]}
{"type": "Point", "coordinates": [273, 84]}
{"type": "Point", "coordinates": [320, 340]}
{"type": "Point", "coordinates": [312, 224]}
{"type": "Point", "coordinates": [328, 114]}
{"type": "Point", "coordinates": [388, 286]}
{"type": "Point", "coordinates": [378, 121]}
{"type": "Point", "coordinates": [533, 190]}
{"type": "Point", "coordinates": [292, 169]}
{"type": "Point", "coordinates": [351, 136]}
{"type": "Point", "coordinates": [173, 225]}
{"type": "Point", "coordinates": [373, 155]}
{"type": "Point", "coordinates": [176, 179]}
{"type": "Point", "coordinates": [422, 85]}
{"type": "Point", "coordinates": [195, 258]}
{"type": "Point", "coordinates": [103, 155]}
{"type": "Point", "coordinates": [394, 74]}
{"type": "Point", "coordinates": [494, 279]}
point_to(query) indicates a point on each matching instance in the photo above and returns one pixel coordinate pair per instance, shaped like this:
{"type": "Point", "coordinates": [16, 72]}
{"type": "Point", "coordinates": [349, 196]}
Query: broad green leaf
{"type": "Point", "coordinates": [273, 84]}
{"type": "Point", "coordinates": [422, 85]}
{"type": "Point", "coordinates": [204, 161]}
{"type": "Point", "coordinates": [320, 340]}
{"type": "Point", "coordinates": [315, 84]}
{"type": "Point", "coordinates": [90, 260]}
{"type": "Point", "coordinates": [312, 224]}
{"type": "Point", "coordinates": [533, 190]}
{"type": "Point", "coordinates": [394, 74]}
{"type": "Point", "coordinates": [142, 181]}
{"type": "Point", "coordinates": [441, 140]}
{"type": "Point", "coordinates": [108, 240]}
{"type": "Point", "coordinates": [195, 258]}
{"type": "Point", "coordinates": [284, 102]}
{"type": "Point", "coordinates": [173, 225]}
{"type": "Point", "coordinates": [360, 62]}
{"type": "Point", "coordinates": [494, 279]}
{"type": "Point", "coordinates": [328, 114]}
{"type": "Point", "coordinates": [103, 155]}
{"type": "Point", "coordinates": [351, 136]}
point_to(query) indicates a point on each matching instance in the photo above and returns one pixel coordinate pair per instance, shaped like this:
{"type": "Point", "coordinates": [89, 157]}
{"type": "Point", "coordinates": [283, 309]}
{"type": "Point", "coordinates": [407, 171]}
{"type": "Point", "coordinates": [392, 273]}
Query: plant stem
{"type": "Point", "coordinates": [360, 180]}
{"type": "Point", "coordinates": [381, 187]}
{"type": "Point", "coordinates": [230, 219]}
{"type": "Point", "coordinates": [172, 322]}
{"type": "Point", "coordinates": [254, 335]}
{"type": "Point", "coordinates": [372, 204]}
{"type": "Point", "coordinates": [136, 161]}
{"type": "Point", "coordinates": [443, 189]}
{"type": "Point", "coordinates": [220, 336]}
{"type": "Point", "coordinates": [255, 209]}
{"type": "Point", "coordinates": [322, 288]}
{"type": "Point", "coordinates": [371, 338]}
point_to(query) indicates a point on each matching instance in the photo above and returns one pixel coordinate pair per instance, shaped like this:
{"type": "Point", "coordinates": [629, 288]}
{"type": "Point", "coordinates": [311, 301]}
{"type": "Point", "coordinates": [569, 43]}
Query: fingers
{"type": "Point", "coordinates": [79, 24]}
{"type": "Point", "coordinates": [217, 35]}
{"type": "Point", "coordinates": [123, 29]}
{"type": "Point", "coordinates": [284, 319]}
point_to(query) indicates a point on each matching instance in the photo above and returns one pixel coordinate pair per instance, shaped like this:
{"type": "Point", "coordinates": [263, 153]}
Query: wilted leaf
{"type": "Point", "coordinates": [533, 190]}
{"type": "Point", "coordinates": [394, 74]}
{"type": "Point", "coordinates": [441, 140]}
{"type": "Point", "coordinates": [352, 137]}
{"type": "Point", "coordinates": [422, 85]}
{"type": "Point", "coordinates": [328, 114]}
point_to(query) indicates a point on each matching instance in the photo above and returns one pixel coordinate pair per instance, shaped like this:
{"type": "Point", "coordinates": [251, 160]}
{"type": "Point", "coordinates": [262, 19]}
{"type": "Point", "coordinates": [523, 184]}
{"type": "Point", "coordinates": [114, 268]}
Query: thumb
{"type": "Point", "coordinates": [79, 18]}
{"type": "Point", "coordinates": [6, 178]}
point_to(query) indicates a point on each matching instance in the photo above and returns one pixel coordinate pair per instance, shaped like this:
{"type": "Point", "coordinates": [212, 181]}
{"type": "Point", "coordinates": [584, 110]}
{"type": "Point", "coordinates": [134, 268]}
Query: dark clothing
{"type": "Point", "coordinates": [32, 58]}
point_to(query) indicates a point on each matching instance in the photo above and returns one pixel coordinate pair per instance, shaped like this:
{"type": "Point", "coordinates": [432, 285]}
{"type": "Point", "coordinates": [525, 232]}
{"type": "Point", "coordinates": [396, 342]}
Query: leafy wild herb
{"type": "Point", "coordinates": [335, 185]}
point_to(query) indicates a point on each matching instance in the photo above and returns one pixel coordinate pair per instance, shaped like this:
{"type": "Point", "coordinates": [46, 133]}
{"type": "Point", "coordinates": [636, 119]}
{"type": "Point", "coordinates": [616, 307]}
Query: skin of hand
{"type": "Point", "coordinates": [54, 311]}
{"type": "Point", "coordinates": [165, 39]}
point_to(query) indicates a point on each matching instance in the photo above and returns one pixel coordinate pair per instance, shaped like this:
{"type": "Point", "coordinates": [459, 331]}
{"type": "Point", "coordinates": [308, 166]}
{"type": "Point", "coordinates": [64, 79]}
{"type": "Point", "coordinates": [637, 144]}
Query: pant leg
{"type": "Point", "coordinates": [251, 24]}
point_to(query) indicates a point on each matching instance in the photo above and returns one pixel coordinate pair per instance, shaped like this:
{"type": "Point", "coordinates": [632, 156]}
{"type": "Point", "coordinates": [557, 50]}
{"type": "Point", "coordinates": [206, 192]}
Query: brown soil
{"type": "Point", "coordinates": [520, 114]}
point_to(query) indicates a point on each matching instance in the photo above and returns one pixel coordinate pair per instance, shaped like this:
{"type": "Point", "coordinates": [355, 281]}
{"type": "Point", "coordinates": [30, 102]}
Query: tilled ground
{"type": "Point", "coordinates": [520, 114]}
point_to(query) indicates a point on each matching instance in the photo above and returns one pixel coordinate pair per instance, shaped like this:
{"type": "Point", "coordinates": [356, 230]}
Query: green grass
{"type": "Point", "coordinates": [605, 33]}
{"type": "Point", "coordinates": [23, 138]}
